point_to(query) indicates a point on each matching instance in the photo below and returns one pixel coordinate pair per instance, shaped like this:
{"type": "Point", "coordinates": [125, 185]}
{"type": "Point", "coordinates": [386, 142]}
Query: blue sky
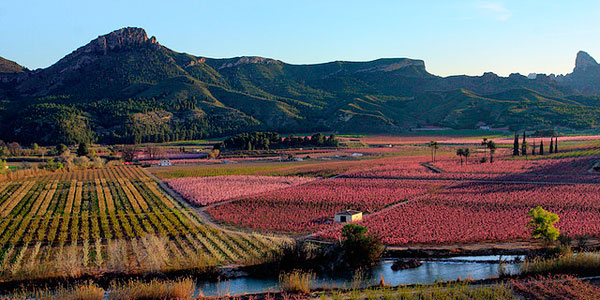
{"type": "Point", "coordinates": [453, 37]}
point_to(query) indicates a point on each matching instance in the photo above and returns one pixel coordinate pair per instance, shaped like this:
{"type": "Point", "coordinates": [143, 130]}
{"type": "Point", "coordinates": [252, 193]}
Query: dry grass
{"type": "Point", "coordinates": [89, 291]}
{"type": "Point", "coordinates": [131, 290]}
{"type": "Point", "coordinates": [583, 263]}
{"type": "Point", "coordinates": [296, 282]}
{"type": "Point", "coordinates": [155, 289]}
{"type": "Point", "coordinates": [69, 262]}
{"type": "Point", "coordinates": [116, 253]}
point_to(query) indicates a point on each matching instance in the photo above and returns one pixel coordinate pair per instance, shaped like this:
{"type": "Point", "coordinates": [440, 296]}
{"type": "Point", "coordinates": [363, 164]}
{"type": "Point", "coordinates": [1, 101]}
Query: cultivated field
{"type": "Point", "coordinates": [407, 199]}
{"type": "Point", "coordinates": [108, 220]}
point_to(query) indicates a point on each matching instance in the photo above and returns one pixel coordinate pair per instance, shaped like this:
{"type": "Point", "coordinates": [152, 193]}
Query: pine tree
{"type": "Point", "coordinates": [551, 146]}
{"type": "Point", "coordinates": [556, 145]}
{"type": "Point", "coordinates": [524, 145]}
{"type": "Point", "coordinates": [83, 149]}
{"type": "Point", "coordinates": [516, 145]}
{"type": "Point", "coordinates": [542, 147]}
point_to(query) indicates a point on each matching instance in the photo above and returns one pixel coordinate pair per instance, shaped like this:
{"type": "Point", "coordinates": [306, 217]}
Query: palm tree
{"type": "Point", "coordinates": [492, 146]}
{"type": "Point", "coordinates": [460, 152]}
{"type": "Point", "coordinates": [466, 154]}
{"type": "Point", "coordinates": [434, 146]}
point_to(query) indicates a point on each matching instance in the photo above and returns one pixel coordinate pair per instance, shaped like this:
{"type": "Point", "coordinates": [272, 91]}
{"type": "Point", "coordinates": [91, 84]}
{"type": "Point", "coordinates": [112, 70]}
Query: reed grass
{"type": "Point", "coordinates": [154, 289]}
{"type": "Point", "coordinates": [296, 282]}
{"type": "Point", "coordinates": [582, 263]}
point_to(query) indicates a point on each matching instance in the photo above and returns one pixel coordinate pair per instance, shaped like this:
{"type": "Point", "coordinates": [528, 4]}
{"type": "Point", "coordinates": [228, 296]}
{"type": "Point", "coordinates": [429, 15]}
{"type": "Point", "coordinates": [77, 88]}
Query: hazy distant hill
{"type": "Point", "coordinates": [126, 87]}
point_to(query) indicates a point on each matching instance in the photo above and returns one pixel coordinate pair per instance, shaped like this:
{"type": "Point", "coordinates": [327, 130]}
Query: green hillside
{"type": "Point", "coordinates": [126, 88]}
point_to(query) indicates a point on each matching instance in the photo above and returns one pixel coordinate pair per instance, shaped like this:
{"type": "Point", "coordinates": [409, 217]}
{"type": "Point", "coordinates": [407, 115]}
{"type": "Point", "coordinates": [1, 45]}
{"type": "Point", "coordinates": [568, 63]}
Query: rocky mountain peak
{"type": "Point", "coordinates": [128, 36]}
{"type": "Point", "coordinates": [583, 61]}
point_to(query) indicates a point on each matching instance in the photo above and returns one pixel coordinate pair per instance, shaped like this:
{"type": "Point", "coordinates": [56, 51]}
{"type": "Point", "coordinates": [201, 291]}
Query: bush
{"type": "Point", "coordinates": [82, 162]}
{"type": "Point", "coordinates": [360, 249]}
{"type": "Point", "coordinates": [542, 223]}
{"type": "Point", "coordinates": [98, 162]}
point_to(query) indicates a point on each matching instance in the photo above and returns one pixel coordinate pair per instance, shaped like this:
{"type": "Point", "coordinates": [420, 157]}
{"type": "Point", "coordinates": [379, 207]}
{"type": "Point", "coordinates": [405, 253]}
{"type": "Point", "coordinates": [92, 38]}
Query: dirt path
{"type": "Point", "coordinates": [203, 215]}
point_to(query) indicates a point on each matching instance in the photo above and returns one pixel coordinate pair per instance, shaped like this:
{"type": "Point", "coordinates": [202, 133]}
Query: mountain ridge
{"type": "Point", "coordinates": [126, 87]}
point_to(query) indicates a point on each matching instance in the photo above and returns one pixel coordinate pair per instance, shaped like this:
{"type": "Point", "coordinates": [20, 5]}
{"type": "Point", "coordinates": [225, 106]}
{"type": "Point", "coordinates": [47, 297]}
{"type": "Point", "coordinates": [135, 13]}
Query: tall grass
{"type": "Point", "coordinates": [583, 263]}
{"type": "Point", "coordinates": [131, 290]}
{"type": "Point", "coordinates": [296, 282]}
{"type": "Point", "coordinates": [86, 291]}
{"type": "Point", "coordinates": [154, 289]}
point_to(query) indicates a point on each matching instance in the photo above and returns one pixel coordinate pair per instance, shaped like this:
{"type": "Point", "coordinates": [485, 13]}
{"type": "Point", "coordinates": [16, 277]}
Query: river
{"type": "Point", "coordinates": [473, 267]}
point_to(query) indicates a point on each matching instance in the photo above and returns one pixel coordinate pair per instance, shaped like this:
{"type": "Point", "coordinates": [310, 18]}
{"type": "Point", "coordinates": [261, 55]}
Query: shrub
{"type": "Point", "coordinates": [360, 249]}
{"type": "Point", "coordinates": [82, 162]}
{"type": "Point", "coordinates": [542, 222]}
{"type": "Point", "coordinates": [98, 162]}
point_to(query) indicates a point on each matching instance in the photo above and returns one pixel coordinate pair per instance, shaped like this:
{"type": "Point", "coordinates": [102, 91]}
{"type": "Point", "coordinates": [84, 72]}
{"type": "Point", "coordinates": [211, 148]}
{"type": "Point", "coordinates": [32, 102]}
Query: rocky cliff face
{"type": "Point", "coordinates": [124, 37]}
{"type": "Point", "coordinates": [118, 39]}
{"type": "Point", "coordinates": [585, 77]}
{"type": "Point", "coordinates": [584, 61]}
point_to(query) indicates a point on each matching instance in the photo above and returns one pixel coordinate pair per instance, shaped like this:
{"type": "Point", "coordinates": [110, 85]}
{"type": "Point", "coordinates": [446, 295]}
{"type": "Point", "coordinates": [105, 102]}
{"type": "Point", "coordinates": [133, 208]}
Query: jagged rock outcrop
{"type": "Point", "coordinates": [128, 36]}
{"type": "Point", "coordinates": [585, 77]}
{"type": "Point", "coordinates": [584, 61]}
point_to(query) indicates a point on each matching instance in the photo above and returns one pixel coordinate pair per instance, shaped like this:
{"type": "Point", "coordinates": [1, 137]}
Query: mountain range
{"type": "Point", "coordinates": [124, 87]}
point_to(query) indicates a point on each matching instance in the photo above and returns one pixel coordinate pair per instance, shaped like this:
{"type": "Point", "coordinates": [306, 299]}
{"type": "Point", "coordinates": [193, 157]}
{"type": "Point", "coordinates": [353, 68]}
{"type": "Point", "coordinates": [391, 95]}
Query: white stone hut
{"type": "Point", "coordinates": [348, 216]}
{"type": "Point", "coordinates": [164, 163]}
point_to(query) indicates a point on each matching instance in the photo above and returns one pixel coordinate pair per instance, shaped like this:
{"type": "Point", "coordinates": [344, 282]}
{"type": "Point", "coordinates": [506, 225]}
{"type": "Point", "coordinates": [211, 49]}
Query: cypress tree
{"type": "Point", "coordinates": [516, 145]}
{"type": "Point", "coordinates": [551, 146]}
{"type": "Point", "coordinates": [533, 148]}
{"type": "Point", "coordinates": [524, 145]}
{"type": "Point", "coordinates": [542, 147]}
{"type": "Point", "coordinates": [556, 145]}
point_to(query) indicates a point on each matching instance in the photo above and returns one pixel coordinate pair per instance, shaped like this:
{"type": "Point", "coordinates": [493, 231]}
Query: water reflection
{"type": "Point", "coordinates": [429, 272]}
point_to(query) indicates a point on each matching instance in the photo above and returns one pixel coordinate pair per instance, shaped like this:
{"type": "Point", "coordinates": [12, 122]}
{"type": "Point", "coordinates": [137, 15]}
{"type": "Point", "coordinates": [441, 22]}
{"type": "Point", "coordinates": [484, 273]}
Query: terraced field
{"type": "Point", "coordinates": [108, 220]}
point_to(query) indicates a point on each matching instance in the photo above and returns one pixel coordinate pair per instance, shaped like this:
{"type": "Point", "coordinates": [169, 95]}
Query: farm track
{"type": "Point", "coordinates": [200, 211]}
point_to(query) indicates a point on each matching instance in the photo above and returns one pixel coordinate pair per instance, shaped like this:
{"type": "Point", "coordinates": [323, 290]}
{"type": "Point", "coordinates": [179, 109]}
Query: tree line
{"type": "Point", "coordinates": [522, 149]}
{"type": "Point", "coordinates": [272, 140]}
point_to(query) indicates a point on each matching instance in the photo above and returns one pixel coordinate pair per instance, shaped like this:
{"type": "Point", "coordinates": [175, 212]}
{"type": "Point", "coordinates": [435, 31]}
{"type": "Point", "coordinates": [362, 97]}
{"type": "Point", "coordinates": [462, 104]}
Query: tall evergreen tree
{"type": "Point", "coordinates": [524, 145]}
{"type": "Point", "coordinates": [551, 146]}
{"type": "Point", "coordinates": [83, 149]}
{"type": "Point", "coordinates": [542, 147]}
{"type": "Point", "coordinates": [533, 148]}
{"type": "Point", "coordinates": [556, 145]}
{"type": "Point", "coordinates": [516, 145]}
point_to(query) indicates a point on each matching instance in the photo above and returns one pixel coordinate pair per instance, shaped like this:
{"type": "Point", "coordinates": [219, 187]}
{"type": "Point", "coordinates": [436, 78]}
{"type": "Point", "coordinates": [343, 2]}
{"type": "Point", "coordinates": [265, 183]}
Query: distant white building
{"type": "Point", "coordinates": [348, 216]}
{"type": "Point", "coordinates": [164, 163]}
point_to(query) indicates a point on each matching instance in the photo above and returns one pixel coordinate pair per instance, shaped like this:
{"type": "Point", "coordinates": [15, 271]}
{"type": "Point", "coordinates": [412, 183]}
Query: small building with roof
{"type": "Point", "coordinates": [348, 216]}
